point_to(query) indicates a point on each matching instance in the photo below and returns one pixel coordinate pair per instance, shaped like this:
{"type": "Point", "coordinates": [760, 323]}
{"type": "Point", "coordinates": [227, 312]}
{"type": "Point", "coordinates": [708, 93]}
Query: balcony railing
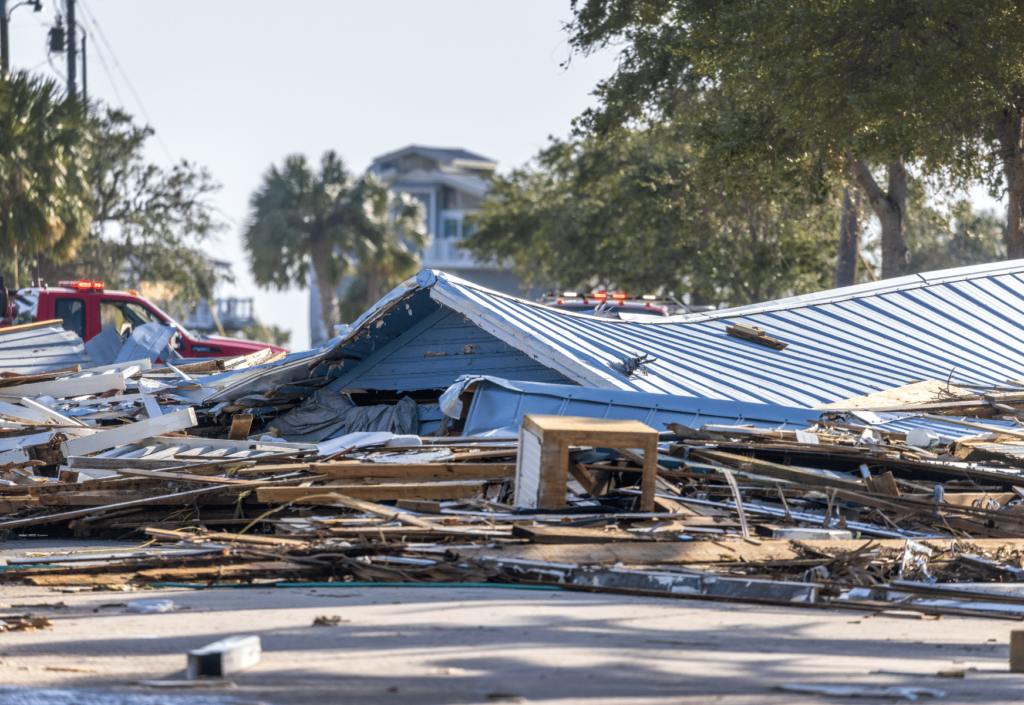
{"type": "Point", "coordinates": [445, 252]}
{"type": "Point", "coordinates": [234, 315]}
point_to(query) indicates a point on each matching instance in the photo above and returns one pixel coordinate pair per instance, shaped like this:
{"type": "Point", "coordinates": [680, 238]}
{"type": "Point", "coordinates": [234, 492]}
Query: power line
{"type": "Point", "coordinates": [117, 65]}
{"type": "Point", "coordinates": [106, 69]}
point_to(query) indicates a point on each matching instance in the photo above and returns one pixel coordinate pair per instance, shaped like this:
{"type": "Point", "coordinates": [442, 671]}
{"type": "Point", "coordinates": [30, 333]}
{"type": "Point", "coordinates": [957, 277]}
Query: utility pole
{"type": "Point", "coordinates": [72, 51]}
{"type": "Point", "coordinates": [85, 70]}
{"type": "Point", "coordinates": [5, 44]}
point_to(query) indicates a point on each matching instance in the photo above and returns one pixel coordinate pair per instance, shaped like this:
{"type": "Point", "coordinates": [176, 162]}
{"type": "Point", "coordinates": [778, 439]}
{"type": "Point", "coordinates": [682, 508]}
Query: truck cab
{"type": "Point", "coordinates": [87, 308]}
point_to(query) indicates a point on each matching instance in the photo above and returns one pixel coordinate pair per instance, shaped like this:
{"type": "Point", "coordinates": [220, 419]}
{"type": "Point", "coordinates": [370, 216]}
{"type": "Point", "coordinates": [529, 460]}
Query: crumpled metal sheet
{"type": "Point", "coordinates": [147, 342]}
{"type": "Point", "coordinates": [28, 352]}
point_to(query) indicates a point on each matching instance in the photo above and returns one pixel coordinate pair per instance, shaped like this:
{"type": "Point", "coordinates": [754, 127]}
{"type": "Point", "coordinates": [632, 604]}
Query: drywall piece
{"type": "Point", "coordinates": [130, 433]}
{"type": "Point", "coordinates": [224, 657]}
{"type": "Point", "coordinates": [810, 534]}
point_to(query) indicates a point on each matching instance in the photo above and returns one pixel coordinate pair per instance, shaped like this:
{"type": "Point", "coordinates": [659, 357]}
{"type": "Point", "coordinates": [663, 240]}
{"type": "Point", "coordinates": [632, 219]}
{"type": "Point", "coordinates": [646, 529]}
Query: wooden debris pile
{"type": "Point", "coordinates": [851, 510]}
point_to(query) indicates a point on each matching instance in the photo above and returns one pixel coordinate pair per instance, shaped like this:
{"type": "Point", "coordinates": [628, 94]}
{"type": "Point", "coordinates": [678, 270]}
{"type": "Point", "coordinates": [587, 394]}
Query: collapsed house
{"type": "Point", "coordinates": [834, 345]}
{"type": "Point", "coordinates": [856, 449]}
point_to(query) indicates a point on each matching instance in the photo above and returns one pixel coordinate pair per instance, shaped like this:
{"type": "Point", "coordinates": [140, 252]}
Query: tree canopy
{"type": "Point", "coordinates": [303, 218]}
{"type": "Point", "coordinates": [45, 200]}
{"type": "Point", "coordinates": [393, 225]}
{"type": "Point", "coordinates": [632, 211]}
{"type": "Point", "coordinates": [300, 219]}
{"type": "Point", "coordinates": [149, 223]}
{"type": "Point", "coordinates": [836, 88]}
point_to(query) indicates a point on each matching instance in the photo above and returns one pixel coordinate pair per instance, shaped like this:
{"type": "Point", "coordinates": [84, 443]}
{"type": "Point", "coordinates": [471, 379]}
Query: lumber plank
{"type": "Point", "coordinates": [775, 470]}
{"type": "Point", "coordinates": [223, 536]}
{"type": "Point", "coordinates": [130, 433]}
{"type": "Point", "coordinates": [174, 498]}
{"type": "Point", "coordinates": [240, 425]}
{"type": "Point", "coordinates": [90, 463]}
{"type": "Point", "coordinates": [352, 471]}
{"type": "Point", "coordinates": [651, 553]}
{"type": "Point", "coordinates": [577, 534]}
{"type": "Point", "coordinates": [379, 493]}
{"type": "Point", "coordinates": [31, 326]}
{"type": "Point", "coordinates": [182, 477]}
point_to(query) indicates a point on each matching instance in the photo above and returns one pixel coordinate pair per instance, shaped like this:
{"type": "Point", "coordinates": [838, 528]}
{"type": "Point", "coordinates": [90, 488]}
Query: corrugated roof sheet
{"type": "Point", "coordinates": [499, 404]}
{"type": "Point", "coordinates": [40, 349]}
{"type": "Point", "coordinates": [966, 323]}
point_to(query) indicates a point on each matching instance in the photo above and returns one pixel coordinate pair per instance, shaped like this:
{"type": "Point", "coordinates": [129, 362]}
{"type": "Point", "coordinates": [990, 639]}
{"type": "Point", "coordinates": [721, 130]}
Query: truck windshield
{"type": "Point", "coordinates": [126, 316]}
{"type": "Point", "coordinates": [27, 303]}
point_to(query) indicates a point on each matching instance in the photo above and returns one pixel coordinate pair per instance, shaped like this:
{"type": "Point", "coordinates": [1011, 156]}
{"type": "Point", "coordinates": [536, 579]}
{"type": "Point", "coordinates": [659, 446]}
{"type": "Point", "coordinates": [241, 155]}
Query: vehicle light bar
{"type": "Point", "coordinates": [83, 285]}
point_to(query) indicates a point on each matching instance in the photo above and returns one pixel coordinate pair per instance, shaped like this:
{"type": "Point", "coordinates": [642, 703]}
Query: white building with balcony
{"type": "Point", "coordinates": [450, 183]}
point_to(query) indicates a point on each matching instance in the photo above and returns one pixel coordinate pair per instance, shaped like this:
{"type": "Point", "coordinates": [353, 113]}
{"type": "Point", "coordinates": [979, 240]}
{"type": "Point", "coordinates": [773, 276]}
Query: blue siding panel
{"type": "Point", "coordinates": [448, 349]}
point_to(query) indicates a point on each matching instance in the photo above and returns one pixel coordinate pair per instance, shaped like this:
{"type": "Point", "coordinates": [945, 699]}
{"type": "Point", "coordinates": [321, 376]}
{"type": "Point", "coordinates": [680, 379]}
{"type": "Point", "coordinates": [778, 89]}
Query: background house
{"type": "Point", "coordinates": [450, 183]}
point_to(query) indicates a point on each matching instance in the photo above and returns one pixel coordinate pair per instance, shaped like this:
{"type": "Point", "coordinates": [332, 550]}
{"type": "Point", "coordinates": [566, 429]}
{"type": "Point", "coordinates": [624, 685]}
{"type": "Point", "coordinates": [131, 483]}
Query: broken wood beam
{"type": "Point", "coordinates": [354, 471]}
{"type": "Point", "coordinates": [380, 492]}
{"type": "Point", "coordinates": [113, 437]}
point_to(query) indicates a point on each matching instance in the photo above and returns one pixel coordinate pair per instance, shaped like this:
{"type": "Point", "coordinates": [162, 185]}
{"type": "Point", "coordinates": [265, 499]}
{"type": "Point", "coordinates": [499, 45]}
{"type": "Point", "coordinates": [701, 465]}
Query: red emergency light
{"type": "Point", "coordinates": [618, 296]}
{"type": "Point", "coordinates": [601, 295]}
{"type": "Point", "coordinates": [83, 285]}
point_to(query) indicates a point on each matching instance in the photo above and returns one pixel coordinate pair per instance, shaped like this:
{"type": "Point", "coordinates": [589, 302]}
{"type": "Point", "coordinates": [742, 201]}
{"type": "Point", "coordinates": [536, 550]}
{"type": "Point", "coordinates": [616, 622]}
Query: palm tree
{"type": "Point", "coordinates": [302, 218]}
{"type": "Point", "coordinates": [392, 224]}
{"type": "Point", "coordinates": [45, 200]}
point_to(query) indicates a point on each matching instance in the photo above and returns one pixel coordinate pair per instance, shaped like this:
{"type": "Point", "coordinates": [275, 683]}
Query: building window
{"type": "Point", "coordinates": [451, 228]}
{"type": "Point", "coordinates": [72, 312]}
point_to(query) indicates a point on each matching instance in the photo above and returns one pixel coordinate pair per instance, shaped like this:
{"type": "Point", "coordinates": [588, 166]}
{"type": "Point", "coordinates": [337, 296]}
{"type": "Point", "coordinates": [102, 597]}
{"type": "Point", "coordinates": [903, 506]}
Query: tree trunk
{"type": "Point", "coordinates": [849, 239]}
{"type": "Point", "coordinates": [889, 207]}
{"type": "Point", "coordinates": [1008, 130]}
{"type": "Point", "coordinates": [327, 288]}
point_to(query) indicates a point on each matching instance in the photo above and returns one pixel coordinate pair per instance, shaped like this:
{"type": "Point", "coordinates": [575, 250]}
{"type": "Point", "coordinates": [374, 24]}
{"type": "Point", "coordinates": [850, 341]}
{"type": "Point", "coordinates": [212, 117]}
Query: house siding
{"type": "Point", "coordinates": [453, 347]}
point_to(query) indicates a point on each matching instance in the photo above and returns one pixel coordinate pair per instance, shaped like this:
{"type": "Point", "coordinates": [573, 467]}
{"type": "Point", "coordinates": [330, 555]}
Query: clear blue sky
{"type": "Point", "coordinates": [237, 86]}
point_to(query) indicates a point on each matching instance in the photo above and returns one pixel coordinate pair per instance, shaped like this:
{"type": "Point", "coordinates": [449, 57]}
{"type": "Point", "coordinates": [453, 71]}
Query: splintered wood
{"type": "Point", "coordinates": [846, 509]}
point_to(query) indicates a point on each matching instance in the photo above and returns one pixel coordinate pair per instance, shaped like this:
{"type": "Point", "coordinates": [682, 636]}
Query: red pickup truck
{"type": "Point", "coordinates": [87, 307]}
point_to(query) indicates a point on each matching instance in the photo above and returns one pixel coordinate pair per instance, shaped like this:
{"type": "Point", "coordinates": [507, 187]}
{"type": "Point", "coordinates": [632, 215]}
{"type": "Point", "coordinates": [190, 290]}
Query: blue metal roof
{"type": "Point", "coordinates": [841, 343]}
{"type": "Point", "coordinates": [499, 404]}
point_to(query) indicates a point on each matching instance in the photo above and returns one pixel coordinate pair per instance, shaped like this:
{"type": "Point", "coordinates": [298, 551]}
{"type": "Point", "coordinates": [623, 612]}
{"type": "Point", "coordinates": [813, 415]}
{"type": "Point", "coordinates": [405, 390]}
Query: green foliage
{"type": "Point", "coordinates": [803, 87]}
{"type": "Point", "coordinates": [45, 202]}
{"type": "Point", "coordinates": [296, 209]}
{"type": "Point", "coordinates": [633, 211]}
{"type": "Point", "coordinates": [302, 217]}
{"type": "Point", "coordinates": [943, 236]}
{"type": "Point", "coordinates": [327, 220]}
{"type": "Point", "coordinates": [976, 237]}
{"type": "Point", "coordinates": [393, 223]}
{"type": "Point", "coordinates": [150, 224]}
